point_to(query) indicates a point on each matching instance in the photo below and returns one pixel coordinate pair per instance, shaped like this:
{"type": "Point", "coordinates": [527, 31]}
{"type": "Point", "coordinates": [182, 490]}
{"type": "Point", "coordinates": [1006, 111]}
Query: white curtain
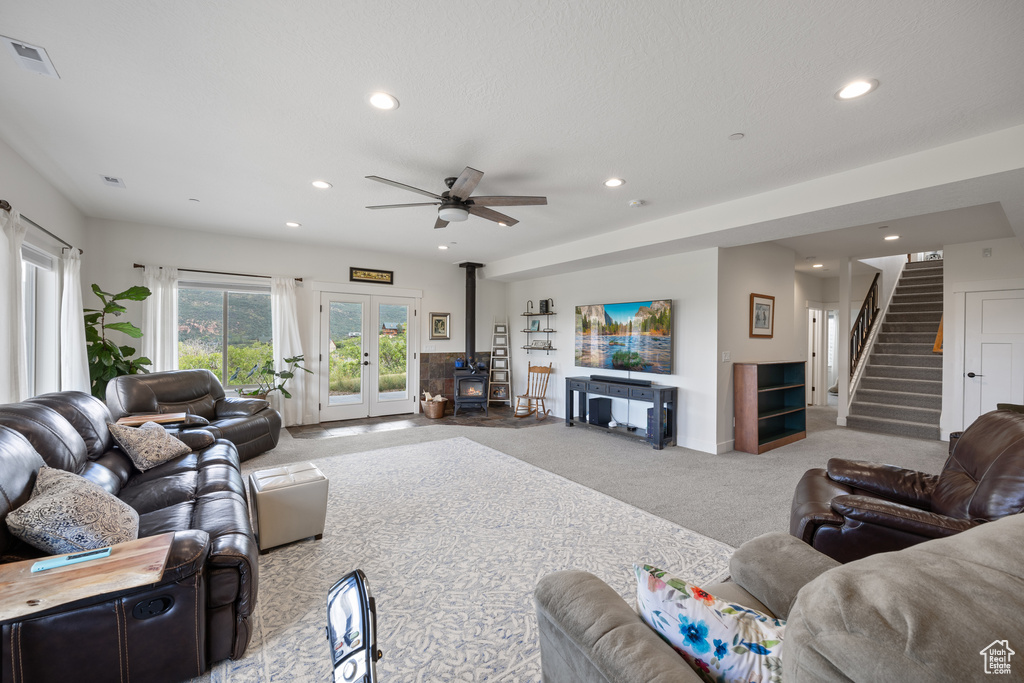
{"type": "Point", "coordinates": [160, 318]}
{"type": "Point", "coordinates": [284, 320]}
{"type": "Point", "coordinates": [13, 355]}
{"type": "Point", "coordinates": [74, 364]}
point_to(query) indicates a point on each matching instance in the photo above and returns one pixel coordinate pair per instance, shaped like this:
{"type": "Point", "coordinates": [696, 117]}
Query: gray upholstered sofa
{"type": "Point", "coordinates": [924, 613]}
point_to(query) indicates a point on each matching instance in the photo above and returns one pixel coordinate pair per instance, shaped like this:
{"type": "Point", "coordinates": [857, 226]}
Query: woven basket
{"type": "Point", "coordinates": [434, 409]}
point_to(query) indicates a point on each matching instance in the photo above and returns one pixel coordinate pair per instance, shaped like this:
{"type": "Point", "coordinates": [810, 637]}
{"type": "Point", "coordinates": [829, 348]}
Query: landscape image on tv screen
{"type": "Point", "coordinates": [633, 336]}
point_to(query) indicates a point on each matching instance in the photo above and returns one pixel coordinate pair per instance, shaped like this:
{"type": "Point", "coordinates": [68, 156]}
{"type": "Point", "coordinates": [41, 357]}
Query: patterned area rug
{"type": "Point", "coordinates": [453, 537]}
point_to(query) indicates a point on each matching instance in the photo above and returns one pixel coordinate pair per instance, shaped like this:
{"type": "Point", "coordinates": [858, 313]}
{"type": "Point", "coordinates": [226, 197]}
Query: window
{"type": "Point", "coordinates": [41, 302]}
{"type": "Point", "coordinates": [224, 327]}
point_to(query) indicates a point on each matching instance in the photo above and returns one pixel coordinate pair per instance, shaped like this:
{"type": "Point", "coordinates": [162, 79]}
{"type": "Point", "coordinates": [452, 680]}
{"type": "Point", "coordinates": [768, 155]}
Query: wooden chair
{"type": "Point", "coordinates": [536, 392]}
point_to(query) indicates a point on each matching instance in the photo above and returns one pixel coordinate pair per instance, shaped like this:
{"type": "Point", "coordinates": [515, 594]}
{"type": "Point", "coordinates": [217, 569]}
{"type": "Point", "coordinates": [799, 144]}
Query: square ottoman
{"type": "Point", "coordinates": [289, 503]}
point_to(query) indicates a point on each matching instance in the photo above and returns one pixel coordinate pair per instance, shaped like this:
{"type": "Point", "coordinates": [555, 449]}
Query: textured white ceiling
{"type": "Point", "coordinates": [242, 104]}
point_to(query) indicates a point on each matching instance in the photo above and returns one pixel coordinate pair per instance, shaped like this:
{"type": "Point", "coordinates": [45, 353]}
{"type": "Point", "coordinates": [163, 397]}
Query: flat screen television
{"type": "Point", "coordinates": [635, 336]}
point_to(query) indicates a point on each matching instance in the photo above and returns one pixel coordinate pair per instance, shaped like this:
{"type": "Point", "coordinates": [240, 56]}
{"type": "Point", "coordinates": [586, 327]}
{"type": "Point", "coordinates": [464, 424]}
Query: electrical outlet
{"type": "Point", "coordinates": [986, 252]}
{"type": "Point", "coordinates": [725, 356]}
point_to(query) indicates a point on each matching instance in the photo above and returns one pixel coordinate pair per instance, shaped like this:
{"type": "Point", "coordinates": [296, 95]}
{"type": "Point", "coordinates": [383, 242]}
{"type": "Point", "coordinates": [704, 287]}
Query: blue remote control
{"type": "Point", "coordinates": [55, 562]}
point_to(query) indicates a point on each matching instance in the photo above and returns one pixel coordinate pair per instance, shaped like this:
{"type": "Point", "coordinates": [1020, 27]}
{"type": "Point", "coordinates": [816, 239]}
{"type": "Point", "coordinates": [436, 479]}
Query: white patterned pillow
{"type": "Point", "coordinates": [719, 640]}
{"type": "Point", "coordinates": [67, 514]}
{"type": "Point", "coordinates": [149, 445]}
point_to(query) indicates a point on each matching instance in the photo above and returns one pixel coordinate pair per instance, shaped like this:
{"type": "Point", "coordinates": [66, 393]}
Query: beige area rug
{"type": "Point", "coordinates": [453, 537]}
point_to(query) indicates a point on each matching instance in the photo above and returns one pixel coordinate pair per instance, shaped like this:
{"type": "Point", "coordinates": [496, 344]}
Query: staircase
{"type": "Point", "coordinates": [901, 389]}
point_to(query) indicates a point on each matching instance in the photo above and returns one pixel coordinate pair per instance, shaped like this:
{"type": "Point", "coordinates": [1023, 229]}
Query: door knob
{"type": "Point", "coordinates": [971, 374]}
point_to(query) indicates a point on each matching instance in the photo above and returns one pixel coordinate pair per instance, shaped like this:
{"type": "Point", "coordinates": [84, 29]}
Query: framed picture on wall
{"type": "Point", "coordinates": [762, 316]}
{"type": "Point", "coordinates": [439, 325]}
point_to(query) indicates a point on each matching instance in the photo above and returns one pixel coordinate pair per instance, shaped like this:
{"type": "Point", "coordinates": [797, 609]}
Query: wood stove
{"type": "Point", "coordinates": [470, 390]}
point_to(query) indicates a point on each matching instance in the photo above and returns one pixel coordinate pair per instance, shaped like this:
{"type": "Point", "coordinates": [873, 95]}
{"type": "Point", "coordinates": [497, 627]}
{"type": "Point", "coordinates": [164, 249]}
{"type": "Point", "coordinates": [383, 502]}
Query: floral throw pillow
{"type": "Point", "coordinates": [721, 641]}
{"type": "Point", "coordinates": [67, 514]}
{"type": "Point", "coordinates": [149, 445]}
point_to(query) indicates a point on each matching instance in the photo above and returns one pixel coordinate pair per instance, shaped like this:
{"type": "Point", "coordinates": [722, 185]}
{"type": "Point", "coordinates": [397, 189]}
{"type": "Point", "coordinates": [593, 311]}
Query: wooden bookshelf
{"type": "Point", "coordinates": [770, 404]}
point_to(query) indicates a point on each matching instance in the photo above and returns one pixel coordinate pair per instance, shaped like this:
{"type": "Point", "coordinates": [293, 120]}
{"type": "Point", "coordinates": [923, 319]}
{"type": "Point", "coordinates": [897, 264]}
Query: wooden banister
{"type": "Point", "coordinates": [862, 327]}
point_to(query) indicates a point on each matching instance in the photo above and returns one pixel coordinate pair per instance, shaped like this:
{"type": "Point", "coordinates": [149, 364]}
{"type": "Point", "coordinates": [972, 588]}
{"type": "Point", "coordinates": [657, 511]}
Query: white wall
{"type": "Point", "coordinates": [891, 268]}
{"type": "Point", "coordinates": [690, 280]}
{"type": "Point", "coordinates": [114, 246]}
{"type": "Point", "coordinates": [762, 269]}
{"type": "Point", "coordinates": [966, 269]}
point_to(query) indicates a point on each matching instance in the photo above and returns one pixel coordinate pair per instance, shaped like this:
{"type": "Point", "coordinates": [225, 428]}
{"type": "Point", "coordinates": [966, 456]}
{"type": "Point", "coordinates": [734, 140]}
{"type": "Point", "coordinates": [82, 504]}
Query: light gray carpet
{"type": "Point", "coordinates": [453, 537]}
{"type": "Point", "coordinates": [731, 497]}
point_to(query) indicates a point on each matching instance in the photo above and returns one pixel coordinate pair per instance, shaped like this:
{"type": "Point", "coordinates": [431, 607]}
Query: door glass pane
{"type": "Point", "coordinates": [393, 353]}
{"type": "Point", "coordinates": [346, 345]}
{"type": "Point", "coordinates": [201, 330]}
{"type": "Point", "coordinates": [250, 337]}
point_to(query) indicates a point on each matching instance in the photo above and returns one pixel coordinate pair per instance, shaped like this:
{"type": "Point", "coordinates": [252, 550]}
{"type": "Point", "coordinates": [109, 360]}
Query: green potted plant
{"type": "Point", "coordinates": [107, 359]}
{"type": "Point", "coordinates": [266, 378]}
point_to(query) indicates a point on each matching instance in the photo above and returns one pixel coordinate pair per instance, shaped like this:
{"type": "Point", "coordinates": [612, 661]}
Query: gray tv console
{"type": "Point", "coordinates": [662, 396]}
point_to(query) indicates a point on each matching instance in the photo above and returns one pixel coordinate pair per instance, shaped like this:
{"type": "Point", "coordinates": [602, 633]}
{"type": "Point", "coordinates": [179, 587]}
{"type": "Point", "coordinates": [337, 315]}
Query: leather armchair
{"type": "Point", "coordinates": [249, 423]}
{"type": "Point", "coordinates": [850, 509]}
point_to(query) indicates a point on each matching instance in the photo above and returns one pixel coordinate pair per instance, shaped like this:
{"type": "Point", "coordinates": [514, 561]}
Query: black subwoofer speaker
{"type": "Point", "coordinates": [600, 412]}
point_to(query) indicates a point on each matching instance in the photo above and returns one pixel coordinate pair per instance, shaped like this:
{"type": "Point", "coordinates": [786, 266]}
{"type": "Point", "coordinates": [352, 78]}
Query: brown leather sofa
{"type": "Point", "coordinates": [249, 423]}
{"type": "Point", "coordinates": [200, 610]}
{"type": "Point", "coordinates": [851, 509]}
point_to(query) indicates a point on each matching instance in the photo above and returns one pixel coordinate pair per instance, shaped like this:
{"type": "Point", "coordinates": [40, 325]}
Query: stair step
{"type": "Point", "coordinates": [906, 338]}
{"type": "Point", "coordinates": [925, 317]}
{"type": "Point", "coordinates": [920, 361]}
{"type": "Point", "coordinates": [916, 297]}
{"type": "Point", "coordinates": [899, 398]}
{"type": "Point", "coordinates": [904, 372]}
{"type": "Point", "coordinates": [923, 265]}
{"type": "Point", "coordinates": [895, 327]}
{"type": "Point", "coordinates": [896, 427]}
{"type": "Point", "coordinates": [903, 348]}
{"type": "Point", "coordinates": [916, 287]}
{"type": "Point", "coordinates": [915, 306]}
{"type": "Point", "coordinates": [902, 384]}
{"type": "Point", "coordinates": [928, 416]}
{"type": "Point", "coordinates": [908, 280]}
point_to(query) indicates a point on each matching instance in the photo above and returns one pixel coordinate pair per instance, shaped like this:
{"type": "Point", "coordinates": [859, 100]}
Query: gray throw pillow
{"type": "Point", "coordinates": [67, 514]}
{"type": "Point", "coordinates": [149, 445]}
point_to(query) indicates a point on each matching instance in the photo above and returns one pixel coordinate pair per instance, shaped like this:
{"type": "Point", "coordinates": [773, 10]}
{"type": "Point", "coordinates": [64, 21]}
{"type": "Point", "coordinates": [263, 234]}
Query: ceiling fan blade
{"type": "Point", "coordinates": [402, 185]}
{"type": "Point", "coordinates": [508, 201]}
{"type": "Point", "coordinates": [491, 215]}
{"type": "Point", "coordinates": [441, 223]}
{"type": "Point", "coordinates": [402, 206]}
{"type": "Point", "coordinates": [466, 183]}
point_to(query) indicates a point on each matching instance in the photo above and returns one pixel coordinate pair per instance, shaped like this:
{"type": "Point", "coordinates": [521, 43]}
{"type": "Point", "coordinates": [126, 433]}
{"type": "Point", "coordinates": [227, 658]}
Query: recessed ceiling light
{"type": "Point", "coordinates": [614, 182]}
{"type": "Point", "coordinates": [293, 224]}
{"type": "Point", "coordinates": [736, 136]}
{"type": "Point", "coordinates": [382, 100]}
{"type": "Point", "coordinates": [442, 247]}
{"type": "Point", "coordinates": [818, 265]}
{"type": "Point", "coordinates": [322, 184]}
{"type": "Point", "coordinates": [856, 89]}
{"type": "Point", "coordinates": [890, 238]}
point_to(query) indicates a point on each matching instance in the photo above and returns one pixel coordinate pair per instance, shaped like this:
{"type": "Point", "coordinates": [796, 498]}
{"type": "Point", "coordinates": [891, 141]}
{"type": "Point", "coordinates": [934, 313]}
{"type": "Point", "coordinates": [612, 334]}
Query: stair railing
{"type": "Point", "coordinates": [861, 329]}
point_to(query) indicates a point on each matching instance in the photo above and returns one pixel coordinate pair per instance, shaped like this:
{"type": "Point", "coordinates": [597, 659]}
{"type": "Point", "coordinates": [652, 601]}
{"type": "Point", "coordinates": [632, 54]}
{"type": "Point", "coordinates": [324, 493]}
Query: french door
{"type": "Point", "coordinates": [366, 350]}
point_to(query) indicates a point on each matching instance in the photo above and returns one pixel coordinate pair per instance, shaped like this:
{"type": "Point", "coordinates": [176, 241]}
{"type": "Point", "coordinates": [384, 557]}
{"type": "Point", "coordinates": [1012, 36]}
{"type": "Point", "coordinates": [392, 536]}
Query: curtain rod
{"type": "Point", "coordinates": [6, 206]}
{"type": "Point", "coordinates": [215, 272]}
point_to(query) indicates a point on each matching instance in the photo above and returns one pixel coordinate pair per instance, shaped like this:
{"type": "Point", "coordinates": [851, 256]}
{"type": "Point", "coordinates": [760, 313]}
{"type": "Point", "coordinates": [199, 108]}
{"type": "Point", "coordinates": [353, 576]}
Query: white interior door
{"type": "Point", "coordinates": [993, 351]}
{"type": "Point", "coordinates": [367, 367]}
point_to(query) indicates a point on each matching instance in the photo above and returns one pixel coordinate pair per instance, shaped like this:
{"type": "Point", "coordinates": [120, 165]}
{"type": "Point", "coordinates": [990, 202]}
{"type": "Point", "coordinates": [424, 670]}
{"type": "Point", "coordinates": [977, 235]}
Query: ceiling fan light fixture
{"type": "Point", "coordinates": [382, 100]}
{"type": "Point", "coordinates": [452, 214]}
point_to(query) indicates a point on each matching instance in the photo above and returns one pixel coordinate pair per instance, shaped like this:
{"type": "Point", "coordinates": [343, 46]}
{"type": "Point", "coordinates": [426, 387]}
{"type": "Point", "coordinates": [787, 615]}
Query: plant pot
{"type": "Point", "coordinates": [434, 409]}
{"type": "Point", "coordinates": [262, 397]}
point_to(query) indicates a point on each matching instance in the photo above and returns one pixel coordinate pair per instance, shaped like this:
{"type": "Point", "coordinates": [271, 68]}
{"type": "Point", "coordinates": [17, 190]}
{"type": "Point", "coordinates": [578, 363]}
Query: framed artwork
{"type": "Point", "coordinates": [380, 277]}
{"type": "Point", "coordinates": [540, 344]}
{"type": "Point", "coordinates": [499, 391]}
{"type": "Point", "coordinates": [439, 325]}
{"type": "Point", "coordinates": [501, 340]}
{"type": "Point", "coordinates": [500, 329]}
{"type": "Point", "coordinates": [500, 352]}
{"type": "Point", "coordinates": [500, 363]}
{"type": "Point", "coordinates": [500, 376]}
{"type": "Point", "coordinates": [762, 316]}
{"type": "Point", "coordinates": [535, 326]}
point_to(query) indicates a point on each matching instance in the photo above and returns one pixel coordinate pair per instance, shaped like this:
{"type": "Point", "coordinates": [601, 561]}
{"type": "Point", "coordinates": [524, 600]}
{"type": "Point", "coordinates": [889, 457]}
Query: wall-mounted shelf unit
{"type": "Point", "coordinates": [534, 335]}
{"type": "Point", "coordinates": [770, 405]}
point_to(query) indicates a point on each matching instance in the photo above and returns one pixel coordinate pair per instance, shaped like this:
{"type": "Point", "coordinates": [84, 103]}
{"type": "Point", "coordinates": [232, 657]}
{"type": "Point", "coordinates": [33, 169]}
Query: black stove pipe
{"type": "Point", "coordinates": [471, 312]}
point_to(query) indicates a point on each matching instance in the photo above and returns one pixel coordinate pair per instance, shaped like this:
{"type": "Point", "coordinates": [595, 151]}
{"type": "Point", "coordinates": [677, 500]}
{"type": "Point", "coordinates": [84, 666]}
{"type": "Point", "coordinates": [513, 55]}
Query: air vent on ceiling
{"type": "Point", "coordinates": [31, 57]}
{"type": "Point", "coordinates": [111, 181]}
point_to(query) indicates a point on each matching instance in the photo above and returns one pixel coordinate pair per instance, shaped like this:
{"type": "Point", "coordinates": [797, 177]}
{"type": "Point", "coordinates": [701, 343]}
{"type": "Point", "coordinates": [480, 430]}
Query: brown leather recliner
{"type": "Point", "coordinates": [249, 423]}
{"type": "Point", "coordinates": [200, 610]}
{"type": "Point", "coordinates": [854, 509]}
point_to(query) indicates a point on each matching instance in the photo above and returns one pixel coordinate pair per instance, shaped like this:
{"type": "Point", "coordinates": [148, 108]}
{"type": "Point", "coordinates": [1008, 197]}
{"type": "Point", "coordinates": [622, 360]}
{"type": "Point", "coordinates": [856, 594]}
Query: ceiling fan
{"type": "Point", "coordinates": [456, 203]}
